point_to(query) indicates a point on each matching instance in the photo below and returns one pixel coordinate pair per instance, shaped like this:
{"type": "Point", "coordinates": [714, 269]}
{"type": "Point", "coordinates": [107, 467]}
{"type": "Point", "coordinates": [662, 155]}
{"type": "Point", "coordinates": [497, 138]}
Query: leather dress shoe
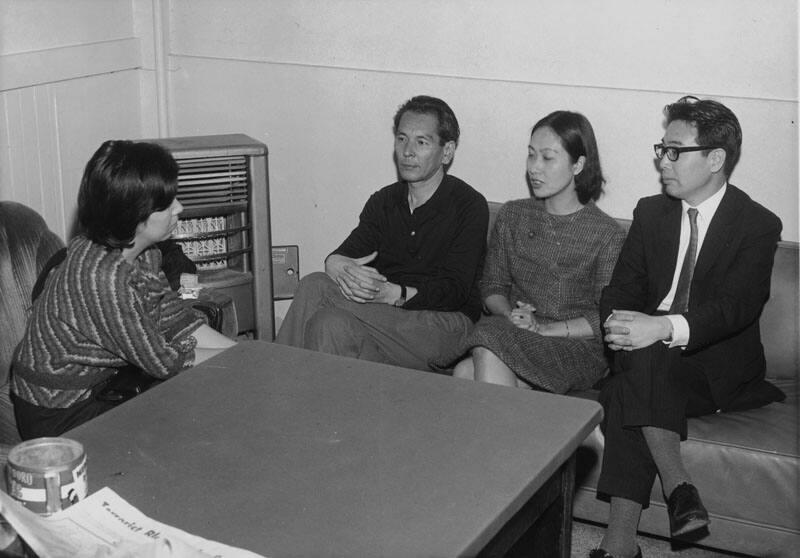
{"type": "Point", "coordinates": [686, 511]}
{"type": "Point", "coordinates": [600, 553]}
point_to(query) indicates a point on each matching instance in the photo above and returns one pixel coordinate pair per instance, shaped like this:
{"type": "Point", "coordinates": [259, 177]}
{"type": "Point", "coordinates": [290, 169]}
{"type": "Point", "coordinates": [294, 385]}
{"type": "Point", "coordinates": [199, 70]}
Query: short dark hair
{"type": "Point", "coordinates": [447, 128]}
{"type": "Point", "coordinates": [577, 137]}
{"type": "Point", "coordinates": [123, 184]}
{"type": "Point", "coordinates": [716, 125]}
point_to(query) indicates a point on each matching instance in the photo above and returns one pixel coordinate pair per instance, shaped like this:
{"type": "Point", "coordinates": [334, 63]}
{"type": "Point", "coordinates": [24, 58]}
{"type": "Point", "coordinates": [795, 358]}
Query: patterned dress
{"type": "Point", "coordinates": [559, 264]}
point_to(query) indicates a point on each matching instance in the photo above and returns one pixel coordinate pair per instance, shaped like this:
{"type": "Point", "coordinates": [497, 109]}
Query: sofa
{"type": "Point", "coordinates": [26, 243]}
{"type": "Point", "coordinates": [745, 464]}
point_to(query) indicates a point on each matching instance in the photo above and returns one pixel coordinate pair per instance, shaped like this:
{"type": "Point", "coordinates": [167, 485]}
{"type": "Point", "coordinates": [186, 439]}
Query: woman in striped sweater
{"type": "Point", "coordinates": [108, 305]}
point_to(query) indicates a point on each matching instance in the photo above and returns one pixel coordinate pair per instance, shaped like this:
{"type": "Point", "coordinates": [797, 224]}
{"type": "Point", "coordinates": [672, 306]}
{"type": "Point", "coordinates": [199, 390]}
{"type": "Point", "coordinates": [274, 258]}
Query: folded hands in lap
{"type": "Point", "coordinates": [627, 330]}
{"type": "Point", "coordinates": [522, 316]}
{"type": "Point", "coordinates": [358, 281]}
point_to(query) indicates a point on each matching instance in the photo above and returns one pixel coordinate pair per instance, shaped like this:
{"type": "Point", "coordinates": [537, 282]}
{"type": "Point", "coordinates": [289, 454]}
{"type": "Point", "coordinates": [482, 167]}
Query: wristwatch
{"type": "Point", "coordinates": [402, 300]}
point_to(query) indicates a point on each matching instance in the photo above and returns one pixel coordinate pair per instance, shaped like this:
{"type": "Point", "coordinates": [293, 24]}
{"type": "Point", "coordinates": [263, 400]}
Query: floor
{"type": "Point", "coordinates": [587, 536]}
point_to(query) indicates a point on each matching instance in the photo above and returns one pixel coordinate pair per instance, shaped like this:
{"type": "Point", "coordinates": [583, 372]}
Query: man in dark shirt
{"type": "Point", "coordinates": [403, 287]}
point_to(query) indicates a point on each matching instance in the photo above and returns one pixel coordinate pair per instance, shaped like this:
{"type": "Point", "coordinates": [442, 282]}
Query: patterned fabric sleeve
{"type": "Point", "coordinates": [177, 318]}
{"type": "Point", "coordinates": [151, 328]}
{"type": "Point", "coordinates": [496, 278]}
{"type": "Point", "coordinates": [604, 268]}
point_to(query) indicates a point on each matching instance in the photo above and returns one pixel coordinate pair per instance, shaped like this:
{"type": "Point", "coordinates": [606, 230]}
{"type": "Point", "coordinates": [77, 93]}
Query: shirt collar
{"type": "Point", "coordinates": [437, 202]}
{"type": "Point", "coordinates": [708, 208]}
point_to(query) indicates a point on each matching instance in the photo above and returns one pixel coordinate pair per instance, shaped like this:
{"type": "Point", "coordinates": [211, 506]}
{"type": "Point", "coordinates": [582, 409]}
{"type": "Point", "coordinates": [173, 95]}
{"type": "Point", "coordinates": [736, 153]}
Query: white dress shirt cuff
{"type": "Point", "coordinates": [680, 331]}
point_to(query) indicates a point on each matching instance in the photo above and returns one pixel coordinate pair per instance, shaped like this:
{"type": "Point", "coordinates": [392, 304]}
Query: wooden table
{"type": "Point", "coordinates": [288, 452]}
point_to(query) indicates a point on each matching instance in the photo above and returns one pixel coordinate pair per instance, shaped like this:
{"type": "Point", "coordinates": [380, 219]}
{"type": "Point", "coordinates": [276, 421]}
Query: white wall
{"type": "Point", "coordinates": [319, 83]}
{"type": "Point", "coordinates": [69, 79]}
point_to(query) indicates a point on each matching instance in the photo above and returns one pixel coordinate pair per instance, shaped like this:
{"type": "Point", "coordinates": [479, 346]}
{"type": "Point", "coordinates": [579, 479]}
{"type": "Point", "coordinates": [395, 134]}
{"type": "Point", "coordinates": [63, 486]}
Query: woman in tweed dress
{"type": "Point", "coordinates": [108, 304]}
{"type": "Point", "coordinates": [549, 258]}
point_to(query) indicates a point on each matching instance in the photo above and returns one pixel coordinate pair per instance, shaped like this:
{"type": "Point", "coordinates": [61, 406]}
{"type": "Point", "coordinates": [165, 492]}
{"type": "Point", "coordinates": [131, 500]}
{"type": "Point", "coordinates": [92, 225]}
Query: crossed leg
{"type": "Point", "coordinates": [485, 366]}
{"type": "Point", "coordinates": [646, 404]}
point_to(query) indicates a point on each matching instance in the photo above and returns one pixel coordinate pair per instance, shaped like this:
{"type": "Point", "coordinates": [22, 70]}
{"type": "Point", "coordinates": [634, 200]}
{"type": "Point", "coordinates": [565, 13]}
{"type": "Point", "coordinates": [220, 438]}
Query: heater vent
{"type": "Point", "coordinates": [212, 181]}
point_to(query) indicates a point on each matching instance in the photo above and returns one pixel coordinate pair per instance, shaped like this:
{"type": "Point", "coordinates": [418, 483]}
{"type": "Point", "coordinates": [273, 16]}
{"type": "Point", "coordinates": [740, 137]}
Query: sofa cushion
{"type": "Point", "coordinates": [746, 463]}
{"type": "Point", "coordinates": [754, 395]}
{"type": "Point", "coordinates": [780, 320]}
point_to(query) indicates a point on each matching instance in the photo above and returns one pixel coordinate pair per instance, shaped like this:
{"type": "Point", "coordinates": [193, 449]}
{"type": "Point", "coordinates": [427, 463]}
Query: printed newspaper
{"type": "Point", "coordinates": [104, 525]}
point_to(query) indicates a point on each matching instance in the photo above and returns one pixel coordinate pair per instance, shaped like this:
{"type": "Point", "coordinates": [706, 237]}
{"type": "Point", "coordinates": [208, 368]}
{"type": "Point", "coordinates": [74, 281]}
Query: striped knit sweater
{"type": "Point", "coordinates": [98, 312]}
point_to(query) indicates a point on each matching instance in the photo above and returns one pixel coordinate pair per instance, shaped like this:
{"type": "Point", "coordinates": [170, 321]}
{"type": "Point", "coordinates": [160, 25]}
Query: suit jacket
{"type": "Point", "coordinates": [729, 288]}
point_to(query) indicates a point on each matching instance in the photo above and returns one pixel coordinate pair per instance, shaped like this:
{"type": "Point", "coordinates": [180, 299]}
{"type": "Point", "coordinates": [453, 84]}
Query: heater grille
{"type": "Point", "coordinates": [212, 181]}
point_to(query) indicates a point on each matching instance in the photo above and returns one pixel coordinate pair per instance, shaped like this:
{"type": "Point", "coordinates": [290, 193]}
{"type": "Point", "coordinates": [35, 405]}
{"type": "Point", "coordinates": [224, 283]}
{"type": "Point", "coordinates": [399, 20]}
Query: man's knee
{"type": "Point", "coordinates": [314, 285]}
{"type": "Point", "coordinates": [333, 330]}
{"type": "Point", "coordinates": [316, 290]}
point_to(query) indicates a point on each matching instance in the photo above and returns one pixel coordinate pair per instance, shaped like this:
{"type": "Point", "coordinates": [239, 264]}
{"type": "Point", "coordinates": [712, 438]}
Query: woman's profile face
{"type": "Point", "coordinates": [551, 171]}
{"type": "Point", "coordinates": [160, 224]}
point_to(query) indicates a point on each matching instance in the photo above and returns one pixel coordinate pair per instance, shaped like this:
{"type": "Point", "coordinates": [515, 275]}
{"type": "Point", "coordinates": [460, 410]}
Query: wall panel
{"type": "Point", "coordinates": [33, 25]}
{"type": "Point", "coordinates": [68, 62]}
{"type": "Point", "coordinates": [69, 79]}
{"type": "Point", "coordinates": [50, 131]}
{"type": "Point", "coordinates": [739, 48]}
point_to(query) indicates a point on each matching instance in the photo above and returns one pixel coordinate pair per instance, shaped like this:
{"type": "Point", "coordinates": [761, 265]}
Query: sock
{"type": "Point", "coordinates": [623, 520]}
{"type": "Point", "coordinates": [665, 447]}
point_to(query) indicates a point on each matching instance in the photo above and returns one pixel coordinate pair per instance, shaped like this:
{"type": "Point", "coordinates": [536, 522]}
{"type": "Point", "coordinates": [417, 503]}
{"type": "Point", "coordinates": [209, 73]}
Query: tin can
{"type": "Point", "coordinates": [47, 474]}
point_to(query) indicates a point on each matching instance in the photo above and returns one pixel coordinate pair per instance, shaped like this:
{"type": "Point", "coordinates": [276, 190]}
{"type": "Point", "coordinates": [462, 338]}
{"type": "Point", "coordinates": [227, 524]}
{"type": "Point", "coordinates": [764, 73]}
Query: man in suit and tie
{"type": "Point", "coordinates": [681, 317]}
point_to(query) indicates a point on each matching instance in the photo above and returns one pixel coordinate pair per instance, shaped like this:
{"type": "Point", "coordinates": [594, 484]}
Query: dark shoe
{"type": "Point", "coordinates": [686, 511]}
{"type": "Point", "coordinates": [600, 553]}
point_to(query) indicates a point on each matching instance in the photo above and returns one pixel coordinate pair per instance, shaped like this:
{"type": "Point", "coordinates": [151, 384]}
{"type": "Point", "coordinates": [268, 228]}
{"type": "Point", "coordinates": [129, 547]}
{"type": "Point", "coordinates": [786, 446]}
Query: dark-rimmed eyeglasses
{"type": "Point", "coordinates": [673, 152]}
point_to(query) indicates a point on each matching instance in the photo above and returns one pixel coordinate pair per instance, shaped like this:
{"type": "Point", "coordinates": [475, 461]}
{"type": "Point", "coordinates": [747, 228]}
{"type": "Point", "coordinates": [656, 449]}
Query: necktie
{"type": "Point", "coordinates": [680, 303]}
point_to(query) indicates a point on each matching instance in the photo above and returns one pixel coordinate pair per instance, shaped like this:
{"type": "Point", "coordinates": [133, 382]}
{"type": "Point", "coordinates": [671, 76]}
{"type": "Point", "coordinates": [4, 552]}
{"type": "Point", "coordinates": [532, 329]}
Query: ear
{"type": "Point", "coordinates": [449, 152]}
{"type": "Point", "coordinates": [577, 166]}
{"type": "Point", "coordinates": [716, 159]}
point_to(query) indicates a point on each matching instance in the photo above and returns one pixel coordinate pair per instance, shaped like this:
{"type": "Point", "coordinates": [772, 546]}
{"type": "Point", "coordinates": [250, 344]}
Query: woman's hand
{"type": "Point", "coordinates": [522, 316]}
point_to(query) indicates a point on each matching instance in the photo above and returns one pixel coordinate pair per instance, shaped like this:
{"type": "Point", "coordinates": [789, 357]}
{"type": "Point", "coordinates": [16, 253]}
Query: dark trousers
{"type": "Point", "coordinates": [34, 421]}
{"type": "Point", "coordinates": [655, 386]}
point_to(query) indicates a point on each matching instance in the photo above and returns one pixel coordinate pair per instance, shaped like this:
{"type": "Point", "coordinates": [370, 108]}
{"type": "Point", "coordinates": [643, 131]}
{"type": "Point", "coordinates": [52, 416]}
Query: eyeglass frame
{"type": "Point", "coordinates": [666, 149]}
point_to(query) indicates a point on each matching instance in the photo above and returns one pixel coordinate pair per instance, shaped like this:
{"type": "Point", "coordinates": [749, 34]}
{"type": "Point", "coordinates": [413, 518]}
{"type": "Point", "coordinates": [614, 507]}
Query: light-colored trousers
{"type": "Point", "coordinates": [322, 319]}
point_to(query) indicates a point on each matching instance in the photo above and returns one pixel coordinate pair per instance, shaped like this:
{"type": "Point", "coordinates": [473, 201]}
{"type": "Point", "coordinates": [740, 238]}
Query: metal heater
{"type": "Point", "coordinates": [223, 184]}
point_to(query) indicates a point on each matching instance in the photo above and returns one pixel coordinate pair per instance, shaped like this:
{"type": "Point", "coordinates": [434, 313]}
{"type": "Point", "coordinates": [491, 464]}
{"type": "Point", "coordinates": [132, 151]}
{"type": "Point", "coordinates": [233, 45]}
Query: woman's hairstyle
{"type": "Point", "coordinates": [577, 137]}
{"type": "Point", "coordinates": [123, 184]}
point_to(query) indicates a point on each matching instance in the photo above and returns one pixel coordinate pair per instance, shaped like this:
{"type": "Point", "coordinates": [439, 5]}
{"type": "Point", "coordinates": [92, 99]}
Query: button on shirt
{"type": "Point", "coordinates": [705, 212]}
